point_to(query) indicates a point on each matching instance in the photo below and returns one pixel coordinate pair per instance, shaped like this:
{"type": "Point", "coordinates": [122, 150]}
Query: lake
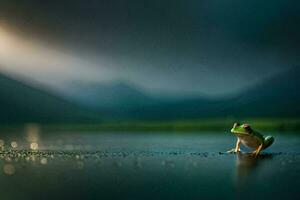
{"type": "Point", "coordinates": [124, 165]}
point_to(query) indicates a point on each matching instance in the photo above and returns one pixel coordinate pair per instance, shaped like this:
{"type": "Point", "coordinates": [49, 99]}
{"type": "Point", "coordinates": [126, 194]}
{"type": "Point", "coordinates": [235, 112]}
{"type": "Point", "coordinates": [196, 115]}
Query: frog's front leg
{"type": "Point", "coordinates": [237, 147]}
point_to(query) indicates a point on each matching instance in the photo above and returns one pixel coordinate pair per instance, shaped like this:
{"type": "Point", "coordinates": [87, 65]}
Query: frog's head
{"type": "Point", "coordinates": [241, 129]}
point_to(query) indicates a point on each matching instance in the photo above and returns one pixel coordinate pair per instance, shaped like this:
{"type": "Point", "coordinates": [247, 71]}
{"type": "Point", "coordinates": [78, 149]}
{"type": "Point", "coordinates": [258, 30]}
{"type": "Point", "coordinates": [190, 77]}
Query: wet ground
{"type": "Point", "coordinates": [145, 166]}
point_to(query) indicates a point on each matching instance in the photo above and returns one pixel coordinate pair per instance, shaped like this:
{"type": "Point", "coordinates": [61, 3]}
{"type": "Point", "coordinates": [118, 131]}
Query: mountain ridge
{"type": "Point", "coordinates": [277, 96]}
{"type": "Point", "coordinates": [21, 102]}
{"type": "Point", "coordinates": [261, 100]}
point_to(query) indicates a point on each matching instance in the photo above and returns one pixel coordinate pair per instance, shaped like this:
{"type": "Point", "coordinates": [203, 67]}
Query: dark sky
{"type": "Point", "coordinates": [210, 47]}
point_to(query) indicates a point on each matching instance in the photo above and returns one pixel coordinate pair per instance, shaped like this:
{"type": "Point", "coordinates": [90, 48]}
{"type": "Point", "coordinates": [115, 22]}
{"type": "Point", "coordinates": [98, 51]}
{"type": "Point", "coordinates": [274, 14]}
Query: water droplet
{"type": "Point", "coordinates": [34, 146]}
{"type": "Point", "coordinates": [9, 169]}
{"type": "Point", "coordinates": [44, 161]}
{"type": "Point", "coordinates": [14, 144]}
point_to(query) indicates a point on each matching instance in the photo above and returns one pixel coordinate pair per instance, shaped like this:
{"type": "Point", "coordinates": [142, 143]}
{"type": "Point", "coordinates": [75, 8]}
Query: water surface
{"type": "Point", "coordinates": [128, 165]}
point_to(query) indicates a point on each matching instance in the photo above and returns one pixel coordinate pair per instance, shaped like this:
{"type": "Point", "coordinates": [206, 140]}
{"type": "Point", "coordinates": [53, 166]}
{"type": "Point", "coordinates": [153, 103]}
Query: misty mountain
{"type": "Point", "coordinates": [122, 100]}
{"type": "Point", "coordinates": [112, 95]}
{"type": "Point", "coordinates": [20, 102]}
{"type": "Point", "coordinates": [278, 96]}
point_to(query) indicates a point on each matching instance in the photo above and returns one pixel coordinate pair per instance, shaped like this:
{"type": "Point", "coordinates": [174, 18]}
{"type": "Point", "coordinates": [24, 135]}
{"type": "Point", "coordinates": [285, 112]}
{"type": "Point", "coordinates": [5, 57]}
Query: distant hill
{"type": "Point", "coordinates": [278, 96]}
{"type": "Point", "coordinates": [120, 100]}
{"type": "Point", "coordinates": [115, 100]}
{"type": "Point", "coordinates": [109, 95]}
{"type": "Point", "coordinates": [23, 103]}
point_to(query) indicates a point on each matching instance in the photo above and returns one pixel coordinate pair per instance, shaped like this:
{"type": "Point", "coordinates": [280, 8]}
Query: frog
{"type": "Point", "coordinates": [250, 138]}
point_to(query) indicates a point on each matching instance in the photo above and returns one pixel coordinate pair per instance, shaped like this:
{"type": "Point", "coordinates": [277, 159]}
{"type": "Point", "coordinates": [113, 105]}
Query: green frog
{"type": "Point", "coordinates": [250, 138]}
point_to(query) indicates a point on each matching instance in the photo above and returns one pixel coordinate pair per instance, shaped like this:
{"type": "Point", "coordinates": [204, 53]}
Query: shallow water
{"type": "Point", "coordinates": [145, 166]}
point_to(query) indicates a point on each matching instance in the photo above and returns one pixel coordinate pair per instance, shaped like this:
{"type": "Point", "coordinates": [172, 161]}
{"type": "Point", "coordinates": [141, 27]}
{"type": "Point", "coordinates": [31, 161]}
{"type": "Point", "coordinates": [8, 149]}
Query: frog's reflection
{"type": "Point", "coordinates": [247, 165]}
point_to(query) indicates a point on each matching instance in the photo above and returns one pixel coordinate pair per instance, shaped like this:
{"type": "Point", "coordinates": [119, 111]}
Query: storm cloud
{"type": "Point", "coordinates": [206, 47]}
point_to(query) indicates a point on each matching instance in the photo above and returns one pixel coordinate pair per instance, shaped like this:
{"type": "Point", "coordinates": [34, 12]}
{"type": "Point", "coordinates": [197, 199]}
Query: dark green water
{"type": "Point", "coordinates": [145, 166]}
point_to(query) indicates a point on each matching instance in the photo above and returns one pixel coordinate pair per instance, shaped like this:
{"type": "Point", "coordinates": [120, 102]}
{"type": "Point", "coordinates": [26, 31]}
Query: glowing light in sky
{"type": "Point", "coordinates": [34, 59]}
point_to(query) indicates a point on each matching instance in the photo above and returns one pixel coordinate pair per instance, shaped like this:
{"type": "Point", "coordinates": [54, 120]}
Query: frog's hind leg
{"type": "Point", "coordinates": [257, 151]}
{"type": "Point", "coordinates": [268, 141]}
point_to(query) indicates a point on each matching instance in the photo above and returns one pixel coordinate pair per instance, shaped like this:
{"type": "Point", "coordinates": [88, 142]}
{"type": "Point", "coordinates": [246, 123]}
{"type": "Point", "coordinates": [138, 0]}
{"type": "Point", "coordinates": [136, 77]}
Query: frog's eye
{"type": "Point", "coordinates": [246, 126]}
